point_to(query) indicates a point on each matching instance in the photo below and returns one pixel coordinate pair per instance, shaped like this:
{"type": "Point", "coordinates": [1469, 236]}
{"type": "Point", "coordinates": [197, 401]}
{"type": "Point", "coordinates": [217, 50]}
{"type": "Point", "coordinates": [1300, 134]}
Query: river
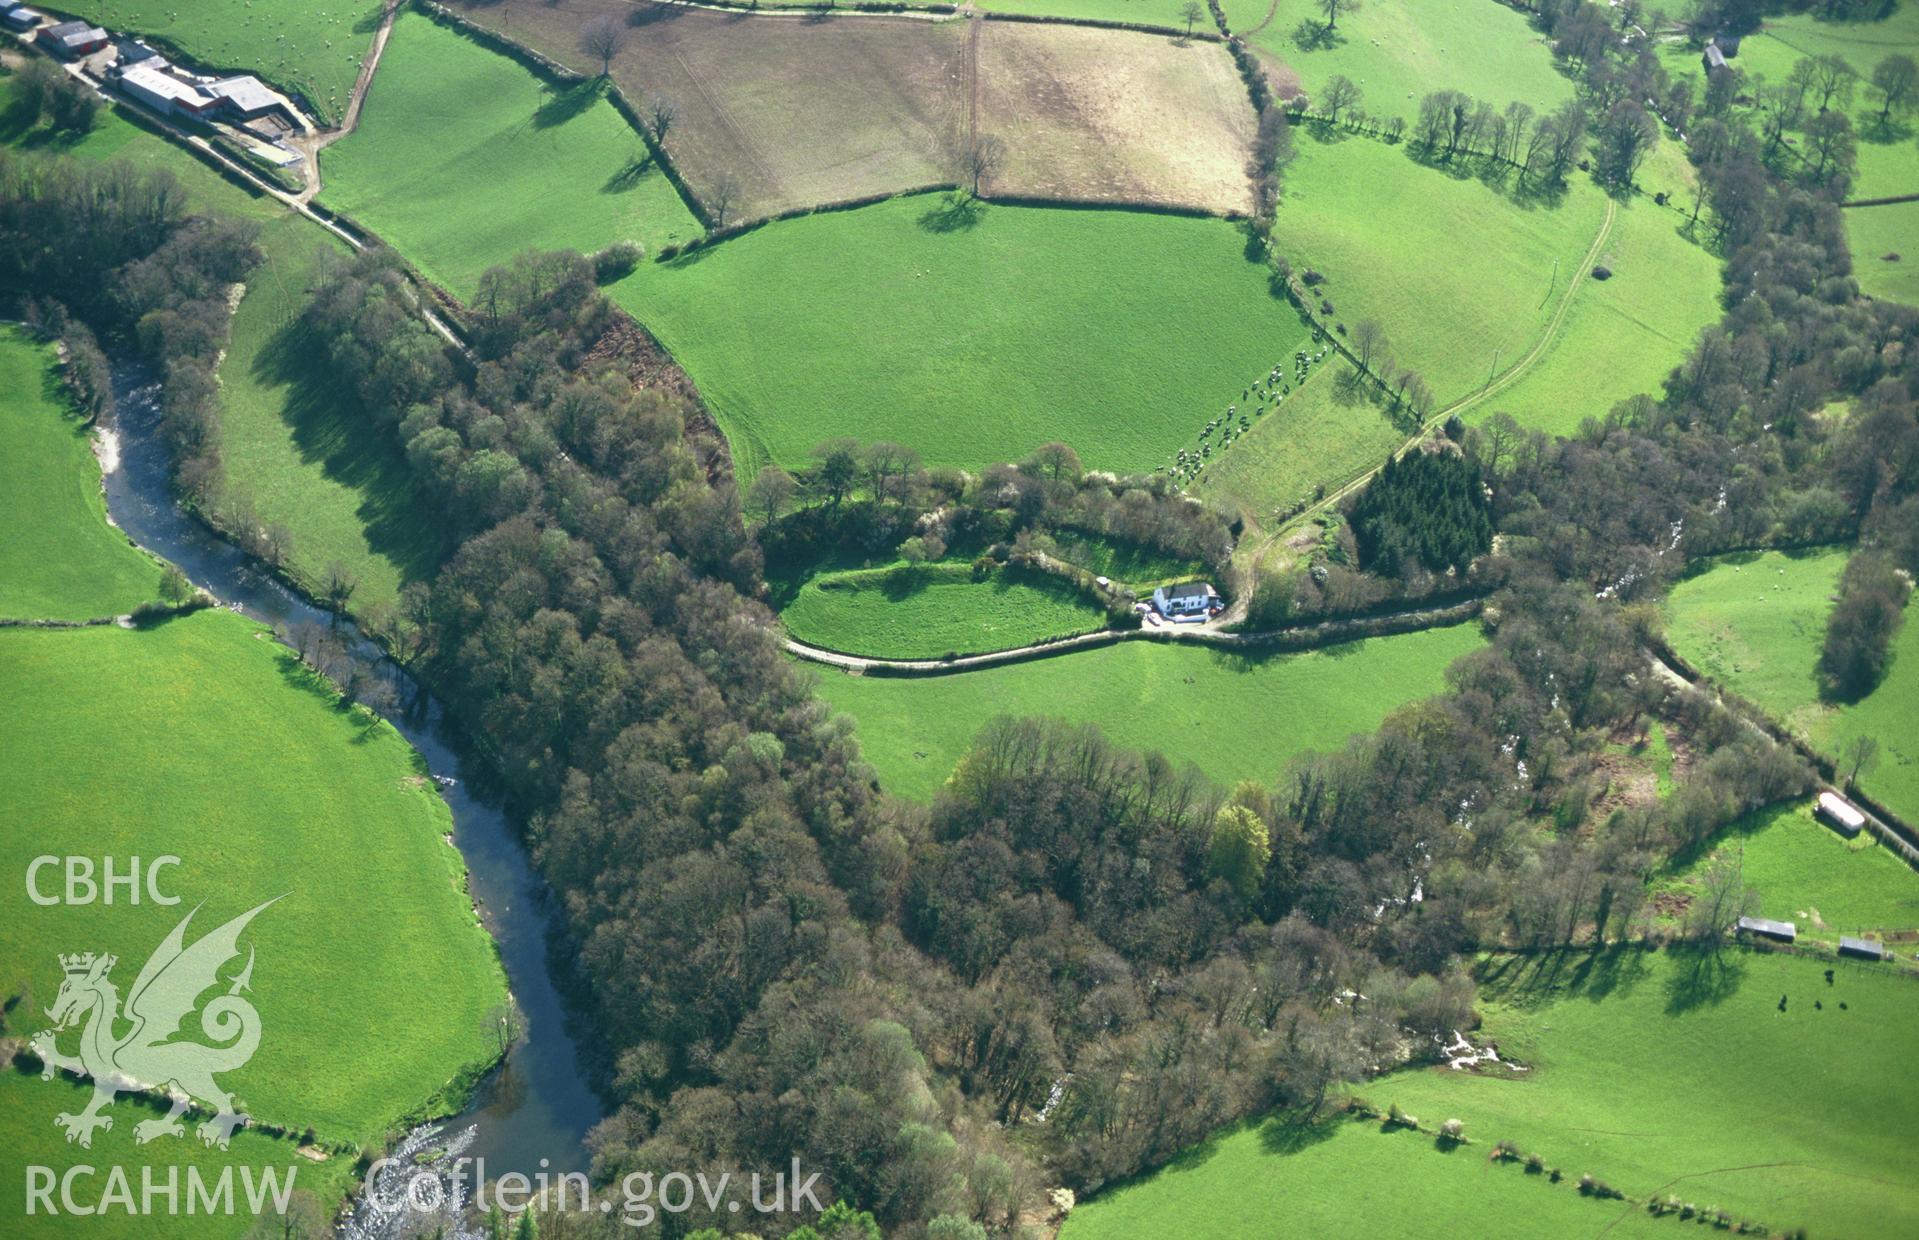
{"type": "Point", "coordinates": [537, 1106]}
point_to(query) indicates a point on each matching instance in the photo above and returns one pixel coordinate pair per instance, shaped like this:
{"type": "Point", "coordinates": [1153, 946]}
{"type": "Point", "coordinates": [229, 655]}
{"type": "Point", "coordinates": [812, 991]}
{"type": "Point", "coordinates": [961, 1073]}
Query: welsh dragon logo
{"type": "Point", "coordinates": [151, 1054]}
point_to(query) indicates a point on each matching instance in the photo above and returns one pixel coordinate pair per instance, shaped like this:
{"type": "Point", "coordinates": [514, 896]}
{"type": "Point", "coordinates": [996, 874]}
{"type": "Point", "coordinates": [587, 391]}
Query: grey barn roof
{"type": "Point", "coordinates": [1849, 946]}
{"type": "Point", "coordinates": [1769, 927]}
{"type": "Point", "coordinates": [246, 93]}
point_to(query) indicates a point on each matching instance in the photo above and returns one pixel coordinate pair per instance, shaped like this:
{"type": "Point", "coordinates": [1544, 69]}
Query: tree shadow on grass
{"type": "Point", "coordinates": [1289, 1132]}
{"type": "Point", "coordinates": [1534, 979]}
{"type": "Point", "coordinates": [628, 175]}
{"type": "Point", "coordinates": [1893, 132]}
{"type": "Point", "coordinates": [1312, 36]}
{"type": "Point", "coordinates": [563, 105]}
{"type": "Point", "coordinates": [1702, 977]}
{"type": "Point", "coordinates": [957, 213]}
{"type": "Point", "coordinates": [330, 429]}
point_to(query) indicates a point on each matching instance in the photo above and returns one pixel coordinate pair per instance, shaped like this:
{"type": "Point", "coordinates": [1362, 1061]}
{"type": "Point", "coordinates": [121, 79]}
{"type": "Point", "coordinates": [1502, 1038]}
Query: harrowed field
{"type": "Point", "coordinates": [775, 112]}
{"type": "Point", "coordinates": [926, 611]}
{"type": "Point", "coordinates": [59, 559]}
{"type": "Point", "coordinates": [312, 48]}
{"type": "Point", "coordinates": [1235, 717]}
{"type": "Point", "coordinates": [1659, 1073]}
{"type": "Point", "coordinates": [463, 159]}
{"type": "Point", "coordinates": [202, 738]}
{"type": "Point", "coordinates": [1756, 623]}
{"type": "Point", "coordinates": [922, 321]}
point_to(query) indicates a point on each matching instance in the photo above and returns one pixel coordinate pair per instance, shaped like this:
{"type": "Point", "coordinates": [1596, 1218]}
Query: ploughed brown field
{"type": "Point", "coordinates": [777, 112]}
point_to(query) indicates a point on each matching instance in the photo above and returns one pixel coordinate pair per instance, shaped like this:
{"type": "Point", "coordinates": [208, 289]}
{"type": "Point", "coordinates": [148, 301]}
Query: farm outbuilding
{"type": "Point", "coordinates": [1839, 814]}
{"type": "Point", "coordinates": [19, 17]}
{"type": "Point", "coordinates": [247, 98]}
{"type": "Point", "coordinates": [164, 93]}
{"type": "Point", "coordinates": [1765, 927]}
{"type": "Point", "coordinates": [1713, 58]}
{"type": "Point", "coordinates": [133, 54]}
{"type": "Point", "coordinates": [72, 39]}
{"type": "Point", "coordinates": [1863, 949]}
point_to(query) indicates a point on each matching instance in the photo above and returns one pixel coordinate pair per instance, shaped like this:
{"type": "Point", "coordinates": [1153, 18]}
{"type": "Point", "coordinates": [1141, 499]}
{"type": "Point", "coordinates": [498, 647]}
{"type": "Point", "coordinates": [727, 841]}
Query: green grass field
{"type": "Point", "coordinates": [1872, 233]}
{"type": "Point", "coordinates": [1399, 50]}
{"type": "Point", "coordinates": [312, 48]}
{"type": "Point", "coordinates": [1322, 433]}
{"type": "Point", "coordinates": [1623, 335]}
{"type": "Point", "coordinates": [1669, 1073]}
{"type": "Point", "coordinates": [1756, 622]}
{"type": "Point", "coordinates": [1655, 1072]}
{"type": "Point", "coordinates": [204, 739]}
{"type": "Point", "coordinates": [463, 159]}
{"type": "Point", "coordinates": [59, 559]}
{"type": "Point", "coordinates": [914, 322]}
{"type": "Point", "coordinates": [1232, 716]}
{"type": "Point", "coordinates": [1384, 231]}
{"type": "Point", "coordinates": [1137, 566]}
{"type": "Point", "coordinates": [1808, 874]}
{"type": "Point", "coordinates": [1342, 1178]}
{"type": "Point", "coordinates": [29, 1138]}
{"type": "Point", "coordinates": [899, 612]}
{"type": "Point", "coordinates": [300, 452]}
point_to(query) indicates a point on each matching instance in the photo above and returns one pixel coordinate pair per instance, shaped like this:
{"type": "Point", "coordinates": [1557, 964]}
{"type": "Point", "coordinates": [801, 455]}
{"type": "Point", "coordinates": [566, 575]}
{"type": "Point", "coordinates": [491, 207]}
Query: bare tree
{"type": "Point", "coordinates": [719, 199]}
{"type": "Point", "coordinates": [603, 38]}
{"type": "Point", "coordinates": [1341, 94]}
{"type": "Point", "coordinates": [1860, 755]}
{"type": "Point", "coordinates": [981, 159]}
{"type": "Point", "coordinates": [1333, 8]}
{"type": "Point", "coordinates": [1369, 338]}
{"type": "Point", "coordinates": [1723, 899]}
{"type": "Point", "coordinates": [773, 488]}
{"type": "Point", "coordinates": [662, 112]}
{"type": "Point", "coordinates": [1192, 11]}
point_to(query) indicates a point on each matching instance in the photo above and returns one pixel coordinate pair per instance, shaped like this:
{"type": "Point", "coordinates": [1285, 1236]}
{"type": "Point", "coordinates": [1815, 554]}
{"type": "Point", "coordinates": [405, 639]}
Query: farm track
{"type": "Point", "coordinates": [311, 145]}
{"type": "Point", "coordinates": [1290, 639]}
{"type": "Point", "coordinates": [1506, 378]}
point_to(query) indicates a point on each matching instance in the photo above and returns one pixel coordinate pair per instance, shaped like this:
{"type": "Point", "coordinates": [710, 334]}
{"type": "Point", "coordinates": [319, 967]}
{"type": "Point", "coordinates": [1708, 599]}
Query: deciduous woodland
{"type": "Point", "coordinates": [1073, 962]}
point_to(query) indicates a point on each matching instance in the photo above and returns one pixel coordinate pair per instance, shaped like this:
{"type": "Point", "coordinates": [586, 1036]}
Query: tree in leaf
{"type": "Point", "coordinates": [1239, 851]}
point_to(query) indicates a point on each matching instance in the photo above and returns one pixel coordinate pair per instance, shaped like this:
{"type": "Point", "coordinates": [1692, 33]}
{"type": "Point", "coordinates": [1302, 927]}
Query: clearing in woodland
{"type": "Point", "coordinates": [1756, 622]}
{"type": "Point", "coordinates": [1733, 1080]}
{"type": "Point", "coordinates": [1235, 716]}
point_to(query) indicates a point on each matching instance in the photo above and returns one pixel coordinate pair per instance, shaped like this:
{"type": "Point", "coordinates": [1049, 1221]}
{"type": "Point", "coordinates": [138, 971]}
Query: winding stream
{"type": "Point", "coordinates": [537, 1105]}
